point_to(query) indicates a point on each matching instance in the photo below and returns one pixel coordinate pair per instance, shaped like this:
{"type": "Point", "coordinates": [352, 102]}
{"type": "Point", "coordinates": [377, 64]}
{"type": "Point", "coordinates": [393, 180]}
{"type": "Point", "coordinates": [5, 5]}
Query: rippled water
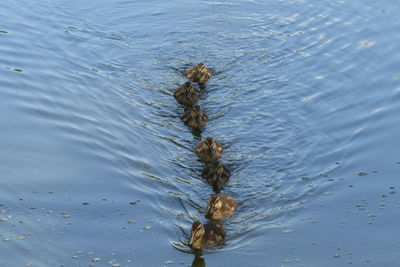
{"type": "Point", "coordinates": [97, 167]}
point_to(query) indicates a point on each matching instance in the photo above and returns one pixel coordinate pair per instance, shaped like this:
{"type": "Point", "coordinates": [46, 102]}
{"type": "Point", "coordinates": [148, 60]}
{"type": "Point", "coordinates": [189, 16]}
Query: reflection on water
{"type": "Point", "coordinates": [198, 260]}
{"type": "Point", "coordinates": [304, 98]}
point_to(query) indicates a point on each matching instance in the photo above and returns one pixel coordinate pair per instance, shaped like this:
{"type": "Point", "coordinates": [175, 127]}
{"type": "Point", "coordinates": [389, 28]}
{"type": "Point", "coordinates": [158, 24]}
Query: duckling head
{"type": "Point", "coordinates": [214, 206]}
{"type": "Point", "coordinates": [187, 84]}
{"type": "Point", "coordinates": [209, 141]}
{"type": "Point", "coordinates": [200, 66]}
{"type": "Point", "coordinates": [198, 232]}
{"type": "Point", "coordinates": [210, 144]}
{"type": "Point", "coordinates": [200, 69]}
{"type": "Point", "coordinates": [187, 89]}
{"type": "Point", "coordinates": [220, 170]}
{"type": "Point", "coordinates": [196, 112]}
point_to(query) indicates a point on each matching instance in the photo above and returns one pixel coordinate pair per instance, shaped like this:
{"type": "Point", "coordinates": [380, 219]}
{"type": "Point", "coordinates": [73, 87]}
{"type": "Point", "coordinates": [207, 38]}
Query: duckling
{"type": "Point", "coordinates": [198, 73]}
{"type": "Point", "coordinates": [186, 94]}
{"type": "Point", "coordinates": [220, 206]}
{"type": "Point", "coordinates": [209, 150]}
{"type": "Point", "coordinates": [206, 235]}
{"type": "Point", "coordinates": [216, 174]}
{"type": "Point", "coordinates": [195, 117]}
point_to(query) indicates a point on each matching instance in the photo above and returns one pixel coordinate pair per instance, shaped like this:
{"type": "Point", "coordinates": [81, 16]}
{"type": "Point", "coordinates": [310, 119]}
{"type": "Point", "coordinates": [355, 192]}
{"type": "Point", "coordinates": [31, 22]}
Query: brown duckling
{"type": "Point", "coordinates": [206, 235]}
{"type": "Point", "coordinates": [186, 94]}
{"type": "Point", "coordinates": [195, 117]}
{"type": "Point", "coordinates": [220, 206]}
{"type": "Point", "coordinates": [198, 73]}
{"type": "Point", "coordinates": [216, 174]}
{"type": "Point", "coordinates": [209, 150]}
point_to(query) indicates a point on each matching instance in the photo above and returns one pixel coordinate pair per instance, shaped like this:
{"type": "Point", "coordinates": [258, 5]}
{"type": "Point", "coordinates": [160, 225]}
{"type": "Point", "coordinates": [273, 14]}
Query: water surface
{"type": "Point", "coordinates": [97, 168]}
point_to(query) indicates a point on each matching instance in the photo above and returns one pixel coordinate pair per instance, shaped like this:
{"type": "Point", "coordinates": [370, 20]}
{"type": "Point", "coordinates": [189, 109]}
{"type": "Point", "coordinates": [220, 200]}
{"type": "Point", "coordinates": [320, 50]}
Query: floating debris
{"type": "Point", "coordinates": [362, 173]}
{"type": "Point", "coordinates": [118, 35]}
{"type": "Point", "coordinates": [365, 44]}
{"type": "Point", "coordinates": [155, 177]}
{"type": "Point", "coordinates": [134, 202]}
{"type": "Point", "coordinates": [65, 215]}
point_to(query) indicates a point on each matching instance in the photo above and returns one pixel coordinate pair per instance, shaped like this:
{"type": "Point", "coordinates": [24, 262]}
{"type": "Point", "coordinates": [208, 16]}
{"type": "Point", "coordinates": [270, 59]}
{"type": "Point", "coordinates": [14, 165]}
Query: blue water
{"type": "Point", "coordinates": [97, 168]}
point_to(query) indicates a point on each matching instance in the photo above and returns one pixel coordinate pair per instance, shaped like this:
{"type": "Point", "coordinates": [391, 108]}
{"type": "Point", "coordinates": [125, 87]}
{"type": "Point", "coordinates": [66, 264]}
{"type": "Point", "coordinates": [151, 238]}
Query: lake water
{"type": "Point", "coordinates": [97, 168]}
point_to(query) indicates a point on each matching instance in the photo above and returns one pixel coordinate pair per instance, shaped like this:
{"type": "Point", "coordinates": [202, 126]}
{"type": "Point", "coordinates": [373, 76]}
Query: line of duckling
{"type": "Point", "coordinates": [209, 151]}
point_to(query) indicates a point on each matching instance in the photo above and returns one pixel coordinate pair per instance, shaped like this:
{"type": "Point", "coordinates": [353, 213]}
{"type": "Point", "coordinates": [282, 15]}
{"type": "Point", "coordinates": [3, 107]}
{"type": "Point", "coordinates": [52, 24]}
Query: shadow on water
{"type": "Point", "coordinates": [196, 133]}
